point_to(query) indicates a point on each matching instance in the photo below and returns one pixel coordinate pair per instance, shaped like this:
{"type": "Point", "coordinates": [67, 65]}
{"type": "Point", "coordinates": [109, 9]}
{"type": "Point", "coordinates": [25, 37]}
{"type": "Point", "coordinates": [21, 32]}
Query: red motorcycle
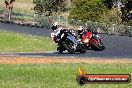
{"type": "Point", "coordinates": [92, 40]}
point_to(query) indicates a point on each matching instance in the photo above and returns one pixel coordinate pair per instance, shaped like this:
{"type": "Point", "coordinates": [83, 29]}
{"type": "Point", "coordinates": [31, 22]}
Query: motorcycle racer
{"type": "Point", "coordinates": [81, 30]}
{"type": "Point", "coordinates": [54, 26]}
{"type": "Point", "coordinates": [57, 31]}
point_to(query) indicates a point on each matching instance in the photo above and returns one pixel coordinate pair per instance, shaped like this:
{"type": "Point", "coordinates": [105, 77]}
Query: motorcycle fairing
{"type": "Point", "coordinates": [72, 39]}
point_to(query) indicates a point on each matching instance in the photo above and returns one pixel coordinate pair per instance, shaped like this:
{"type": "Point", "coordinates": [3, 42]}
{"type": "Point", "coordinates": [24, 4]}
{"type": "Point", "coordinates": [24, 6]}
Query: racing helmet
{"type": "Point", "coordinates": [55, 24]}
{"type": "Point", "coordinates": [80, 29]}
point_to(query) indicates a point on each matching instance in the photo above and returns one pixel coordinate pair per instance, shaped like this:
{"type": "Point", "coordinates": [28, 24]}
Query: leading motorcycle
{"type": "Point", "coordinates": [67, 41]}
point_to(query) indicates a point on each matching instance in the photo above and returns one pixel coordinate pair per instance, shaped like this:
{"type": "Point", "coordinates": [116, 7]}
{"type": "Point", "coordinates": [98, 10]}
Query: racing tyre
{"type": "Point", "coordinates": [67, 47]}
{"type": "Point", "coordinates": [97, 46]}
{"type": "Point", "coordinates": [83, 49]}
{"type": "Point", "coordinates": [60, 50]}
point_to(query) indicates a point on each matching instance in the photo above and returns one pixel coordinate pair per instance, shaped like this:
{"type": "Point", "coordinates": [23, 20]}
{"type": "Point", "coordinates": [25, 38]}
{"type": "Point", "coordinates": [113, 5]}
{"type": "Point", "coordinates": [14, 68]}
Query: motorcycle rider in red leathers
{"type": "Point", "coordinates": [81, 30]}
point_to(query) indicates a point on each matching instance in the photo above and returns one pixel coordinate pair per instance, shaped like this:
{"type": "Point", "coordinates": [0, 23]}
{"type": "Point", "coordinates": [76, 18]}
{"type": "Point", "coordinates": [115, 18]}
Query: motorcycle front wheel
{"type": "Point", "coordinates": [97, 46]}
{"type": "Point", "coordinates": [68, 46]}
{"type": "Point", "coordinates": [60, 49]}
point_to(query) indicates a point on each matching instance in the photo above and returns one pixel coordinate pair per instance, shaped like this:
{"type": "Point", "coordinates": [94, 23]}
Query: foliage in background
{"type": "Point", "coordinates": [94, 10]}
{"type": "Point", "coordinates": [127, 12]}
{"type": "Point", "coordinates": [87, 10]}
{"type": "Point", "coordinates": [47, 7]}
{"type": "Point", "coordinates": [113, 16]}
{"type": "Point", "coordinates": [108, 3]}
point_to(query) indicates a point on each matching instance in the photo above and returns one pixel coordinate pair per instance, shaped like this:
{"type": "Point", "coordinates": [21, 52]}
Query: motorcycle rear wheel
{"type": "Point", "coordinates": [82, 49]}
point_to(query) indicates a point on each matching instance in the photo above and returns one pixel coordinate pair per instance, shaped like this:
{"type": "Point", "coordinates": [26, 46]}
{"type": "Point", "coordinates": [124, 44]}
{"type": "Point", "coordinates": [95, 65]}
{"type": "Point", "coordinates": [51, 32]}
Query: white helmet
{"type": "Point", "coordinates": [80, 28]}
{"type": "Point", "coordinates": [55, 24]}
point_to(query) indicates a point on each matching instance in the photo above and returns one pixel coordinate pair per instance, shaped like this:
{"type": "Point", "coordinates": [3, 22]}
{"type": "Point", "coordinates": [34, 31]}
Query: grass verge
{"type": "Point", "coordinates": [14, 42]}
{"type": "Point", "coordinates": [57, 75]}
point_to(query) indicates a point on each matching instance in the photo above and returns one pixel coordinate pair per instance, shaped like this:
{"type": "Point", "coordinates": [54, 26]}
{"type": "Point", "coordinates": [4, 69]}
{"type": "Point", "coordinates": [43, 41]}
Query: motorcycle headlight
{"type": "Point", "coordinates": [86, 40]}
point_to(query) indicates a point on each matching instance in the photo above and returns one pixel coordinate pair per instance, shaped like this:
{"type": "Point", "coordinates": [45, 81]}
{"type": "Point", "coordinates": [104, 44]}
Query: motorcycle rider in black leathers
{"type": "Point", "coordinates": [57, 31]}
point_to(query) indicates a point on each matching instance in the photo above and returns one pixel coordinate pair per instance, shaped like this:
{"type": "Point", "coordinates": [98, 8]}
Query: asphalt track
{"type": "Point", "coordinates": [116, 46]}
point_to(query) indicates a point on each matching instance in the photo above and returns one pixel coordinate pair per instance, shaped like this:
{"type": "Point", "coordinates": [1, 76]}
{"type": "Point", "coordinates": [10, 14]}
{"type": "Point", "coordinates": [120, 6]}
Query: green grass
{"type": "Point", "coordinates": [57, 75]}
{"type": "Point", "coordinates": [14, 42]}
{"type": "Point", "coordinates": [25, 1]}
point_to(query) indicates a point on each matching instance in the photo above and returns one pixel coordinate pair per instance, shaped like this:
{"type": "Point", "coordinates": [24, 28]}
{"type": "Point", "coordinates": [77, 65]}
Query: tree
{"type": "Point", "coordinates": [108, 3]}
{"type": "Point", "coordinates": [128, 5]}
{"type": "Point", "coordinates": [127, 12]}
{"type": "Point", "coordinates": [47, 7]}
{"type": "Point", "coordinates": [113, 16]}
{"type": "Point", "coordinates": [87, 10]}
